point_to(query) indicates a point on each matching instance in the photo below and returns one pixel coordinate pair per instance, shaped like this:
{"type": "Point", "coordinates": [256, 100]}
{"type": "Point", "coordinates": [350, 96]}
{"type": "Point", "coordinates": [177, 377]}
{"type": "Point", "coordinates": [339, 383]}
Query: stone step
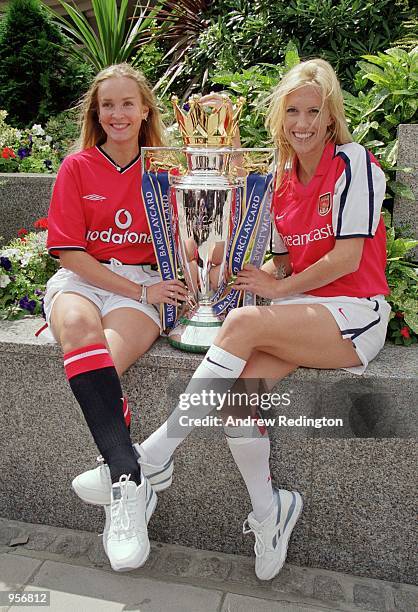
{"type": "Point", "coordinates": [356, 480]}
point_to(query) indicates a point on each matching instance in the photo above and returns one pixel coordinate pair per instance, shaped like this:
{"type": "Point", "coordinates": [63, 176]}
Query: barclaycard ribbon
{"type": "Point", "coordinates": [250, 231]}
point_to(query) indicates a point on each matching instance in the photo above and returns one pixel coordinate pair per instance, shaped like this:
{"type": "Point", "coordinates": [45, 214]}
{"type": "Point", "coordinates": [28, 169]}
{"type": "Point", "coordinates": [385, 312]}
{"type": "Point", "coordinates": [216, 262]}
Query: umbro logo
{"type": "Point", "coordinates": [94, 197]}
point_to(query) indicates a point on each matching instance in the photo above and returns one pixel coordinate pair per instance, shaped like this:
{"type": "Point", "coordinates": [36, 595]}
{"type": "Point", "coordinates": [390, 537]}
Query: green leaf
{"type": "Point", "coordinates": [291, 57]}
{"type": "Point", "coordinates": [402, 190]}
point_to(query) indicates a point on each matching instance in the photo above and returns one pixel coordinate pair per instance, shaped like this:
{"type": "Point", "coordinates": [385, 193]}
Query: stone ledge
{"type": "Point", "coordinates": [353, 520]}
{"type": "Point", "coordinates": [396, 362]}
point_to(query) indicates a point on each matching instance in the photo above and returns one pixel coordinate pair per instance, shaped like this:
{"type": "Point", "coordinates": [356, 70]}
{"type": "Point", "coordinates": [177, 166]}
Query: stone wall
{"type": "Point", "coordinates": [405, 211]}
{"type": "Point", "coordinates": [356, 482]}
{"type": "Point", "coordinates": [24, 198]}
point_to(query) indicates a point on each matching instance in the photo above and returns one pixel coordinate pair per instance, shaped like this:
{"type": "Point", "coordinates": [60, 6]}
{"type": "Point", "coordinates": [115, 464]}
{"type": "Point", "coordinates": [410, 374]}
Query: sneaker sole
{"type": "Point", "coordinates": [135, 564]}
{"type": "Point", "coordinates": [159, 482]}
{"type": "Point", "coordinates": [286, 535]}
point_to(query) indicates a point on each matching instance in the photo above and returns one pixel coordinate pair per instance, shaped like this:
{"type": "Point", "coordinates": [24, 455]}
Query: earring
{"type": "Point", "coordinates": [146, 118]}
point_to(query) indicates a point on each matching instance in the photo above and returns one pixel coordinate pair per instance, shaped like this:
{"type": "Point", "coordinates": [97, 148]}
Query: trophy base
{"type": "Point", "coordinates": [195, 332]}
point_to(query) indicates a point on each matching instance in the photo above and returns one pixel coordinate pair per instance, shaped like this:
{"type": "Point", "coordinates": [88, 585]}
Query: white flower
{"type": "Point", "coordinates": [10, 253]}
{"type": "Point", "coordinates": [4, 281]}
{"type": "Point", "coordinates": [37, 130]}
{"type": "Point", "coordinates": [18, 134]}
{"type": "Point", "coordinates": [48, 139]}
{"type": "Point", "coordinates": [26, 257]}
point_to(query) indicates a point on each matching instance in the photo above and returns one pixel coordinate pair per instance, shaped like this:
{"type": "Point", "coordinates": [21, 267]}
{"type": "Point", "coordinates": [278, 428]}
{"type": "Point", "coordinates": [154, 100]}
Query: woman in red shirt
{"type": "Point", "coordinates": [103, 304]}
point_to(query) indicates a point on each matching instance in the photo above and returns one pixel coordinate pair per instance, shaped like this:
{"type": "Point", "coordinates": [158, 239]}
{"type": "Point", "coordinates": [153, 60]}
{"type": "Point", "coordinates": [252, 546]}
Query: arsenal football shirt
{"type": "Point", "coordinates": [97, 207]}
{"type": "Point", "coordinates": [343, 200]}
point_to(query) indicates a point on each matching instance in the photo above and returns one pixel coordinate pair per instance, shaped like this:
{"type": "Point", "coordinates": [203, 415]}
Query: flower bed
{"type": "Point", "coordinates": [25, 268]}
{"type": "Point", "coordinates": [30, 150]}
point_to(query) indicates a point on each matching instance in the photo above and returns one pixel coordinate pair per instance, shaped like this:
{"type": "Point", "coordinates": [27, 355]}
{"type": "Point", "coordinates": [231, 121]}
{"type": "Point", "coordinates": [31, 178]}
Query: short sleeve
{"type": "Point", "coordinates": [277, 246]}
{"type": "Point", "coordinates": [359, 193]}
{"type": "Point", "coordinates": [66, 221]}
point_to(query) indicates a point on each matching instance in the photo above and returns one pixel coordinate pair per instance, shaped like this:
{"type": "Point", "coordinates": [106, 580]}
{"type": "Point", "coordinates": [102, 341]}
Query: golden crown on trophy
{"type": "Point", "coordinates": [204, 126]}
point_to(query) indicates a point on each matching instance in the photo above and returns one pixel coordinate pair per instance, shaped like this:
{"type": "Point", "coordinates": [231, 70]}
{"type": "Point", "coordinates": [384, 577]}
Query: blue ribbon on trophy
{"type": "Point", "coordinates": [155, 196]}
{"type": "Point", "coordinates": [262, 235]}
{"type": "Point", "coordinates": [251, 238]}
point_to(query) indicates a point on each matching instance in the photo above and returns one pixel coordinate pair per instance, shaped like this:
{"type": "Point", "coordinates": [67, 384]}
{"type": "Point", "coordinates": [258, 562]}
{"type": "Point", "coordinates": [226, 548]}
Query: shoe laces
{"type": "Point", "coordinates": [259, 546]}
{"type": "Point", "coordinates": [120, 520]}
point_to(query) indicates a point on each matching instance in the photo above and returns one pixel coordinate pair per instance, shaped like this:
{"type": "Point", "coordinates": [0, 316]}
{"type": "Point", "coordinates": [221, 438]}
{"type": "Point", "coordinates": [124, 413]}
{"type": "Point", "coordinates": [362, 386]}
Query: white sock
{"type": "Point", "coordinates": [218, 371]}
{"type": "Point", "coordinates": [252, 458]}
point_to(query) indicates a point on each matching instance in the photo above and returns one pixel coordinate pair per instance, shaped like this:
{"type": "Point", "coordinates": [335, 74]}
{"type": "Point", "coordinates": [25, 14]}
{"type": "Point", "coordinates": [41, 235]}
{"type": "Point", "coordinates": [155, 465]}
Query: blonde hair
{"type": "Point", "coordinates": [92, 133]}
{"type": "Point", "coordinates": [315, 72]}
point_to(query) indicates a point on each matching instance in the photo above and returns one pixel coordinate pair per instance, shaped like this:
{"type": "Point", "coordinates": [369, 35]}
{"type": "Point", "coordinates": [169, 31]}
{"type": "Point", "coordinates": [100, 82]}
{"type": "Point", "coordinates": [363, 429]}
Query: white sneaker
{"type": "Point", "coordinates": [94, 486]}
{"type": "Point", "coordinates": [150, 505]}
{"type": "Point", "coordinates": [126, 543]}
{"type": "Point", "coordinates": [272, 535]}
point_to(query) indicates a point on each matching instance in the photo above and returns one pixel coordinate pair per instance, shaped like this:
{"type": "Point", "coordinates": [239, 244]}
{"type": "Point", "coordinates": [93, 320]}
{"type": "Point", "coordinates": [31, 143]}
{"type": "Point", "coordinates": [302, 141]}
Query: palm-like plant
{"type": "Point", "coordinates": [117, 35]}
{"type": "Point", "coordinates": [178, 25]}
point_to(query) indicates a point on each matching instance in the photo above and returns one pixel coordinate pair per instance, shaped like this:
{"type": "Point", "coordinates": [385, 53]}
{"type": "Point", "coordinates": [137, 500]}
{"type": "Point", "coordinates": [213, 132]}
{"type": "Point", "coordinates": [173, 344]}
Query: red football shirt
{"type": "Point", "coordinates": [97, 207]}
{"type": "Point", "coordinates": [343, 200]}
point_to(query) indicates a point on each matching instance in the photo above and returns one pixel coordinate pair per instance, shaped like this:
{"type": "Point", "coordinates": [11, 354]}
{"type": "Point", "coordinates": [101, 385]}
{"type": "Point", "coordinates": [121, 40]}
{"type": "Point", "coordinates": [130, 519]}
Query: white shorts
{"type": "Point", "coordinates": [363, 320]}
{"type": "Point", "coordinates": [65, 281]}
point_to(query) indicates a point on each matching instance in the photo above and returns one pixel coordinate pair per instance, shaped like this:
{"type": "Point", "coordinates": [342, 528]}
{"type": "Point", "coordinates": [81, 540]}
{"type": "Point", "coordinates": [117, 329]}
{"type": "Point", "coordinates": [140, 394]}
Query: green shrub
{"type": "Point", "coordinates": [204, 38]}
{"type": "Point", "coordinates": [402, 279]}
{"type": "Point", "coordinates": [64, 129]}
{"type": "Point", "coordinates": [38, 78]}
{"type": "Point", "coordinates": [387, 95]}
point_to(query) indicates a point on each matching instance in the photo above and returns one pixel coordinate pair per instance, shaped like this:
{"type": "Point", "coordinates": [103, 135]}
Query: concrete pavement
{"type": "Point", "coordinates": [72, 567]}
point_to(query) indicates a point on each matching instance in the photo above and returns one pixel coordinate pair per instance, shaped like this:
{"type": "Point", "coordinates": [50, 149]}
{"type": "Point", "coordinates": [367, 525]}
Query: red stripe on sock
{"type": "Point", "coordinates": [126, 412]}
{"type": "Point", "coordinates": [84, 360]}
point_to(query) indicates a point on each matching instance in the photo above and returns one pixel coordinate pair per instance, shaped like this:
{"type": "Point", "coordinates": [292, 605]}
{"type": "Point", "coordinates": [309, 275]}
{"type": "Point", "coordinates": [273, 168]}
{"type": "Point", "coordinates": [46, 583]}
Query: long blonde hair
{"type": "Point", "coordinates": [315, 72]}
{"type": "Point", "coordinates": [92, 133]}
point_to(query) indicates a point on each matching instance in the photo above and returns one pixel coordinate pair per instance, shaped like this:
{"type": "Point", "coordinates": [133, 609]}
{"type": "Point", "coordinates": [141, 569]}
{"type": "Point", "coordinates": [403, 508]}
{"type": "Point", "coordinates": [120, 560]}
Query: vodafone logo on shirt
{"type": "Point", "coordinates": [122, 221]}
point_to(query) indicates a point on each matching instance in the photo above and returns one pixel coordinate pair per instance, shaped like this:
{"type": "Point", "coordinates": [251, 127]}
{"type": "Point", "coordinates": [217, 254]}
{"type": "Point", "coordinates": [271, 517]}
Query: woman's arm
{"type": "Point", "coordinates": [276, 263]}
{"type": "Point", "coordinates": [344, 259]}
{"type": "Point", "coordinates": [98, 275]}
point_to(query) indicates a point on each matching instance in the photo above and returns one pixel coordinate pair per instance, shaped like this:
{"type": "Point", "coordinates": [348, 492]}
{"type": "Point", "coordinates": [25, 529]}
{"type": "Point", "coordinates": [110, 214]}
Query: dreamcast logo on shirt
{"type": "Point", "coordinates": [123, 220]}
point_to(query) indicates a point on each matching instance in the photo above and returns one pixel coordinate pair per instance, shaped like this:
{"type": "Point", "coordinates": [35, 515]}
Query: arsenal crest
{"type": "Point", "coordinates": [324, 204]}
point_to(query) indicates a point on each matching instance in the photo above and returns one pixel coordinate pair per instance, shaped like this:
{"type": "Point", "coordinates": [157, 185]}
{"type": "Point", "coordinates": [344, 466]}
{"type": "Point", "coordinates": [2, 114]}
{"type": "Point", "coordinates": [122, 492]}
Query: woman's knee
{"type": "Point", "coordinates": [76, 328]}
{"type": "Point", "coordinates": [242, 322]}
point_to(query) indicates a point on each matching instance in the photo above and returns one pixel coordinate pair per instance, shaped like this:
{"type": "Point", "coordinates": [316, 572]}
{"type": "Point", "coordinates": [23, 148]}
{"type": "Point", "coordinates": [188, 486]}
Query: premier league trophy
{"type": "Point", "coordinates": [208, 207]}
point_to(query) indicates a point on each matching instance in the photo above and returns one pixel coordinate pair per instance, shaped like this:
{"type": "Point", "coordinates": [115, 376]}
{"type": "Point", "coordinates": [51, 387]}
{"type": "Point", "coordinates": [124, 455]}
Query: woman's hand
{"type": "Point", "coordinates": [257, 281]}
{"type": "Point", "coordinates": [167, 292]}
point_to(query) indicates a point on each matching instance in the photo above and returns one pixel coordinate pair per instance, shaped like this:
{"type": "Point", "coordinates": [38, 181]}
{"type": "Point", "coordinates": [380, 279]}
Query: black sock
{"type": "Point", "coordinates": [96, 386]}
